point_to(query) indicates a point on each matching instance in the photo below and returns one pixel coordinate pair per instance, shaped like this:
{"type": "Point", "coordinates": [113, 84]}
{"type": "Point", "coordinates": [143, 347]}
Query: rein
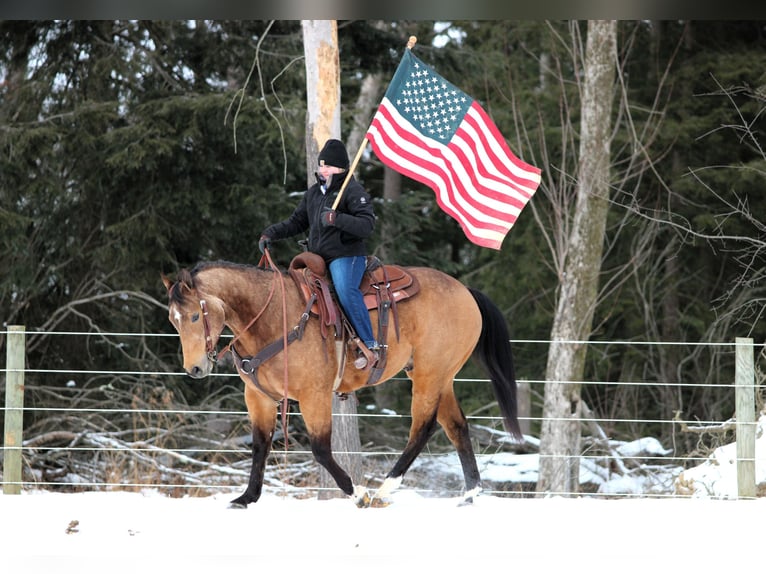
{"type": "Point", "coordinates": [285, 342]}
{"type": "Point", "coordinates": [268, 351]}
{"type": "Point", "coordinates": [228, 347]}
{"type": "Point", "coordinates": [209, 348]}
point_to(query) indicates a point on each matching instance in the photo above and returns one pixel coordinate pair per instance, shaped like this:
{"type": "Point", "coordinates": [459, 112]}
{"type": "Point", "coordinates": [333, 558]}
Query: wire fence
{"type": "Point", "coordinates": [155, 442]}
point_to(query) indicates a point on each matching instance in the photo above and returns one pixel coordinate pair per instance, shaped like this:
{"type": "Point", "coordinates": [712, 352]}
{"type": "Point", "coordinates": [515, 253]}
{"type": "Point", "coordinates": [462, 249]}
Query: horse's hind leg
{"type": "Point", "coordinates": [426, 411]}
{"type": "Point", "coordinates": [454, 423]}
{"type": "Point", "coordinates": [423, 410]}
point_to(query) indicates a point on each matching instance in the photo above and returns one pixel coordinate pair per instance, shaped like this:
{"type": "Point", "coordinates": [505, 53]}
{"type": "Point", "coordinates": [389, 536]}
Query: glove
{"type": "Point", "coordinates": [264, 243]}
{"type": "Point", "coordinates": [328, 216]}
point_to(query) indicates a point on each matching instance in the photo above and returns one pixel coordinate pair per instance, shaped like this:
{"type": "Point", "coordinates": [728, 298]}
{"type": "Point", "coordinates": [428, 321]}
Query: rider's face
{"type": "Point", "coordinates": [327, 170]}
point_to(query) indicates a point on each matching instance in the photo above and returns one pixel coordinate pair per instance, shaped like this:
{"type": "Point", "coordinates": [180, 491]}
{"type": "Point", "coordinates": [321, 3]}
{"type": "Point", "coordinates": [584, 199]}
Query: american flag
{"type": "Point", "coordinates": [431, 131]}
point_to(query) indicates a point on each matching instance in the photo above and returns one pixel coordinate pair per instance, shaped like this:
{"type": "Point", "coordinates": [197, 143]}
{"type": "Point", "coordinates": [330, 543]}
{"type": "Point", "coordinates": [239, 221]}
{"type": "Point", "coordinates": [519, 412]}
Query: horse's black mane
{"type": "Point", "coordinates": [187, 276]}
{"type": "Point", "coordinates": [202, 265]}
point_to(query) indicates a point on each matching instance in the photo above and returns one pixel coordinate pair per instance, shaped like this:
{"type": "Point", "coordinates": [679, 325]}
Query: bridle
{"type": "Point", "coordinates": [210, 349]}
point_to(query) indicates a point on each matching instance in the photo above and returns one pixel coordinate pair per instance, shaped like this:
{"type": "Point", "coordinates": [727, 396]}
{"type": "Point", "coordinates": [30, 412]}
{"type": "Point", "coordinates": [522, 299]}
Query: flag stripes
{"type": "Point", "coordinates": [476, 177]}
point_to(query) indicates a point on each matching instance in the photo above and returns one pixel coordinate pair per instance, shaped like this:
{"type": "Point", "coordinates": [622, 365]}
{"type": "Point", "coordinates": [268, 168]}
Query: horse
{"type": "Point", "coordinates": [438, 331]}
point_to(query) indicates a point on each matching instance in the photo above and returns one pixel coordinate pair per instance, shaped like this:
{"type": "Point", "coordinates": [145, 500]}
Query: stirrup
{"type": "Point", "coordinates": [369, 357]}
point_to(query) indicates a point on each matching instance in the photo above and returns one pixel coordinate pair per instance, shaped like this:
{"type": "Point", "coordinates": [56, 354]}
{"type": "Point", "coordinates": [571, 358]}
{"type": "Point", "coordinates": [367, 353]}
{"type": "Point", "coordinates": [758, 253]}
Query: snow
{"type": "Point", "coordinates": [717, 476]}
{"type": "Point", "coordinates": [132, 532]}
{"type": "Point", "coordinates": [117, 531]}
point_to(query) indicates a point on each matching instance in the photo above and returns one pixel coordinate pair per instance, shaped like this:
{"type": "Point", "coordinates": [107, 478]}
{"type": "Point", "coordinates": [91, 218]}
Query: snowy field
{"type": "Point", "coordinates": [705, 531]}
{"type": "Point", "coordinates": [131, 532]}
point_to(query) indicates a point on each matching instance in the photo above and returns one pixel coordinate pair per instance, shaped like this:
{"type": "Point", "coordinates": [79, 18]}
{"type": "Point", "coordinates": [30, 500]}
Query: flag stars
{"type": "Point", "coordinates": [432, 104]}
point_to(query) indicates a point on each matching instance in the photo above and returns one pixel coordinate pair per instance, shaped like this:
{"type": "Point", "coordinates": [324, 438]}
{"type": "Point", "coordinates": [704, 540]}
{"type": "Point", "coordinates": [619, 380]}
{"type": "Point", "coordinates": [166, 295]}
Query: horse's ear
{"type": "Point", "coordinates": [167, 282]}
{"type": "Point", "coordinates": [185, 280]}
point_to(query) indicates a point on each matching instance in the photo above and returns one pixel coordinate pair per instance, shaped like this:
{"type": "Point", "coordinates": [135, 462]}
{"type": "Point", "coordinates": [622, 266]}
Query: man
{"type": "Point", "coordinates": [338, 236]}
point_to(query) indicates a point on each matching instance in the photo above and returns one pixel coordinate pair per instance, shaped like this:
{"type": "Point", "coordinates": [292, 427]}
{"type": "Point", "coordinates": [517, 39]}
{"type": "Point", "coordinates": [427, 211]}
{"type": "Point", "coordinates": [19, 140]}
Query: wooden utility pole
{"type": "Point", "coordinates": [320, 45]}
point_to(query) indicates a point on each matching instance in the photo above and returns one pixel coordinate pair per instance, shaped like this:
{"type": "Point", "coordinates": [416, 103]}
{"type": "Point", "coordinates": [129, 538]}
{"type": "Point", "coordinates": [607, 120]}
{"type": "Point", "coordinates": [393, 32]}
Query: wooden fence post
{"type": "Point", "coordinates": [14, 405]}
{"type": "Point", "coordinates": [744, 383]}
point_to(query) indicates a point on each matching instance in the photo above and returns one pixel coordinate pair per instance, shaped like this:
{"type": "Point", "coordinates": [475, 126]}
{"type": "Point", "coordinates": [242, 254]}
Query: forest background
{"type": "Point", "coordinates": [134, 148]}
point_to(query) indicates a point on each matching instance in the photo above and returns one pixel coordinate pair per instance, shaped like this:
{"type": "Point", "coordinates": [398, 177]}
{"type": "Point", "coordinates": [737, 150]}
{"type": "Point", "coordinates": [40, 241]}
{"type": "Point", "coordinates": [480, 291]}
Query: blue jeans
{"type": "Point", "coordinates": [347, 273]}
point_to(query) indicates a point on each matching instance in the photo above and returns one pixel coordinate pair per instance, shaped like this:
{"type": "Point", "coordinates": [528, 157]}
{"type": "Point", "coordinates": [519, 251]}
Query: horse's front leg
{"type": "Point", "coordinates": [263, 417]}
{"type": "Point", "coordinates": [316, 409]}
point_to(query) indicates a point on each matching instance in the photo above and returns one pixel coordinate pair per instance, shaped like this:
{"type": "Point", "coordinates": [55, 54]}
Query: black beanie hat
{"type": "Point", "coordinates": [334, 153]}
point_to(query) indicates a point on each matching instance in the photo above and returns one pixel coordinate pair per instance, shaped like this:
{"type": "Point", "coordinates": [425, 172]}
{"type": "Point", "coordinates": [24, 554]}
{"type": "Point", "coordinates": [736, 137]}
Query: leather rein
{"type": "Point", "coordinates": [248, 365]}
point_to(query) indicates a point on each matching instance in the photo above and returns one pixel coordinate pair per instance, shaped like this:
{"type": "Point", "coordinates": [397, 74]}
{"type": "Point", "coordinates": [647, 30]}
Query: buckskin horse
{"type": "Point", "coordinates": [282, 352]}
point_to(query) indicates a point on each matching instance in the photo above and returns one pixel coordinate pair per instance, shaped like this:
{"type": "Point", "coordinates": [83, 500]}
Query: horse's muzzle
{"type": "Point", "coordinates": [201, 370]}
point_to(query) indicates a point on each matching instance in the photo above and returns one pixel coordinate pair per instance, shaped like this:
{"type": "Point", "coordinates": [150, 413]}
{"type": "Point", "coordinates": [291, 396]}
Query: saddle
{"type": "Point", "coordinates": [383, 286]}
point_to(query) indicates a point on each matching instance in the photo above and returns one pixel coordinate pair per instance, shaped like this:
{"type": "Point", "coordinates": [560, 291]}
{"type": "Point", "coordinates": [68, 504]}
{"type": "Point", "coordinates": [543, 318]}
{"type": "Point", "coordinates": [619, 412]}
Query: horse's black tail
{"type": "Point", "coordinates": [493, 351]}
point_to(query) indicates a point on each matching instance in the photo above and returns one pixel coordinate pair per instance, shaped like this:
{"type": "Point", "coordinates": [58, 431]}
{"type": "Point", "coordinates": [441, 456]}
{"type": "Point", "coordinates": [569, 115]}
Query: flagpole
{"type": "Point", "coordinates": [350, 172]}
{"type": "Point", "coordinates": [410, 44]}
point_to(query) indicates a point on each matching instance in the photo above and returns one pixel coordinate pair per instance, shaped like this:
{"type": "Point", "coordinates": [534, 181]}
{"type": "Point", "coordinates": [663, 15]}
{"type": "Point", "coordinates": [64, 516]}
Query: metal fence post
{"type": "Point", "coordinates": [14, 409]}
{"type": "Point", "coordinates": [744, 383]}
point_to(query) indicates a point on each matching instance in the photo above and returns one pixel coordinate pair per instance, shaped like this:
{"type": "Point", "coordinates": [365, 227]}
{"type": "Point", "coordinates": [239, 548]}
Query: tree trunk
{"type": "Point", "coordinates": [320, 41]}
{"type": "Point", "coordinates": [320, 46]}
{"type": "Point", "coordinates": [367, 102]}
{"type": "Point", "coordinates": [560, 435]}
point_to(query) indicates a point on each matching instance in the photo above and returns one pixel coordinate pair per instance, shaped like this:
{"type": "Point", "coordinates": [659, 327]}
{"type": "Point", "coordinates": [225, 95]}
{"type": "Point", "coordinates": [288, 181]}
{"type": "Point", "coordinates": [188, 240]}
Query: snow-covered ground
{"type": "Point", "coordinates": [508, 467]}
{"type": "Point", "coordinates": [131, 532]}
{"type": "Point", "coordinates": [717, 476]}
{"type": "Point", "coordinates": [147, 532]}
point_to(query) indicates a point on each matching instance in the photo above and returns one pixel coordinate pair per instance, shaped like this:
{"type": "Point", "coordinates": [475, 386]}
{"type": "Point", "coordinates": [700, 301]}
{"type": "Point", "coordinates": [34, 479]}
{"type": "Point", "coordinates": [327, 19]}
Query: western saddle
{"type": "Point", "coordinates": [383, 286]}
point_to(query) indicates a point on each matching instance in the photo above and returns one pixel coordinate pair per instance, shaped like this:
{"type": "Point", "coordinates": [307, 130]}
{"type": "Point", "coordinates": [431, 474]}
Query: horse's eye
{"type": "Point", "coordinates": [195, 317]}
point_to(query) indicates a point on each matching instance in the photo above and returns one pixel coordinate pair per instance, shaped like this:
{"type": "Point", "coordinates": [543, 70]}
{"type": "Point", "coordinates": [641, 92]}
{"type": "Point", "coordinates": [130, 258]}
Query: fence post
{"type": "Point", "coordinates": [744, 383]}
{"type": "Point", "coordinates": [14, 405]}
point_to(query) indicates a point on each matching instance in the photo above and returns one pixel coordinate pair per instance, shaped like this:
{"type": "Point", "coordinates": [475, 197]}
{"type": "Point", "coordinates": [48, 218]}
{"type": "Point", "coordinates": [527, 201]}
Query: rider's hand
{"type": "Point", "coordinates": [328, 216]}
{"type": "Point", "coordinates": [264, 243]}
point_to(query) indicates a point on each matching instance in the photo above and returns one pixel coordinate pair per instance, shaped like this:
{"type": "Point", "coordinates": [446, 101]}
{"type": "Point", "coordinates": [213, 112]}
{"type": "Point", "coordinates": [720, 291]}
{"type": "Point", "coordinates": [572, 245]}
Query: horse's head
{"type": "Point", "coordinates": [199, 320]}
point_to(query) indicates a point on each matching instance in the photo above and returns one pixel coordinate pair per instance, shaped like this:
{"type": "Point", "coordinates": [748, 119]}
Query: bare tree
{"type": "Point", "coordinates": [370, 93]}
{"type": "Point", "coordinates": [560, 436]}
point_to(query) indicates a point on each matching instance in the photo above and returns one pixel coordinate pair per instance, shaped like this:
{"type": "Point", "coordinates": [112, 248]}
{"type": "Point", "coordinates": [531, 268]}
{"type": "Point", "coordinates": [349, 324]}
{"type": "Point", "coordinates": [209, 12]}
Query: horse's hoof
{"type": "Point", "coordinates": [378, 502]}
{"type": "Point", "coordinates": [241, 502]}
{"type": "Point", "coordinates": [389, 485]}
{"type": "Point", "coordinates": [361, 497]}
{"type": "Point", "coordinates": [469, 496]}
